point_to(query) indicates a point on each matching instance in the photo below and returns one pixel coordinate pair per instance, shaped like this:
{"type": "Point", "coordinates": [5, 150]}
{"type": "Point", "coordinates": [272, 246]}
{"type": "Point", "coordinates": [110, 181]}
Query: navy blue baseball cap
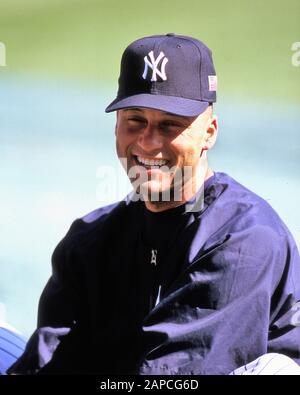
{"type": "Point", "coordinates": [169, 72]}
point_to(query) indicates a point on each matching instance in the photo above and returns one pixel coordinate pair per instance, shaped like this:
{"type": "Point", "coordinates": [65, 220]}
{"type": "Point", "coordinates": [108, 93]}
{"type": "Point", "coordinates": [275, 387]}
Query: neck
{"type": "Point", "coordinates": [188, 192]}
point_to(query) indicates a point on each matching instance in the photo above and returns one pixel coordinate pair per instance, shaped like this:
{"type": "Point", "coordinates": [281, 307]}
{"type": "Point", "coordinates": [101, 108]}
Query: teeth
{"type": "Point", "coordinates": [151, 162]}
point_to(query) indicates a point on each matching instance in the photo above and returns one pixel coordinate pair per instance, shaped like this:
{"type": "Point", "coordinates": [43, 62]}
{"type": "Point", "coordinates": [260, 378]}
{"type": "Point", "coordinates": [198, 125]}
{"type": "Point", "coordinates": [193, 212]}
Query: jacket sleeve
{"type": "Point", "coordinates": [60, 299]}
{"type": "Point", "coordinates": [234, 303]}
{"type": "Point", "coordinates": [284, 330]}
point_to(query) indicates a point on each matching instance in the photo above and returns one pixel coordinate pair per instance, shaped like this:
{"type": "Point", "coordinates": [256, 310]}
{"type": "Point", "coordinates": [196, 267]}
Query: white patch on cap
{"type": "Point", "coordinates": [212, 83]}
{"type": "Point", "coordinates": [153, 64]}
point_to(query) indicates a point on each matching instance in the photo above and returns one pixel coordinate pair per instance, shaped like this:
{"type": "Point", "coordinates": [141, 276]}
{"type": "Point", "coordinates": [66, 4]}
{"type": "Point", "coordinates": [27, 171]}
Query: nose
{"type": "Point", "coordinates": [150, 139]}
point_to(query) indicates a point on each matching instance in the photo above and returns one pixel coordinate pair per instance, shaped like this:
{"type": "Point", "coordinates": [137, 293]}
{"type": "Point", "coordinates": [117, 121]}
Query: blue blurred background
{"type": "Point", "coordinates": [62, 64]}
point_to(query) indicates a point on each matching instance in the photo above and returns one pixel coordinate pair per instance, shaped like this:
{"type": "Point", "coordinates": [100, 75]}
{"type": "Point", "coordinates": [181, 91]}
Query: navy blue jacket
{"type": "Point", "coordinates": [229, 288]}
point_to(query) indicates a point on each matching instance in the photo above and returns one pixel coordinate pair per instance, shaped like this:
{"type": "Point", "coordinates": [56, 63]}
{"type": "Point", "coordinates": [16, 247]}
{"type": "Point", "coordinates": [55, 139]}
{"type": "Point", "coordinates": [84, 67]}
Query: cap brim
{"type": "Point", "coordinates": [174, 105]}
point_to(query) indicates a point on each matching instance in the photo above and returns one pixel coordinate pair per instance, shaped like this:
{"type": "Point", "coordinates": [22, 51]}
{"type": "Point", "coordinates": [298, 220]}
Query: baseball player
{"type": "Point", "coordinates": [192, 273]}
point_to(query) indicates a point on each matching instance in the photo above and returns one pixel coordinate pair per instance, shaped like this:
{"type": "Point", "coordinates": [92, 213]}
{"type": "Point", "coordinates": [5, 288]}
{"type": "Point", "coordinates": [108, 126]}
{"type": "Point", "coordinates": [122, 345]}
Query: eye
{"type": "Point", "coordinates": [136, 120]}
{"type": "Point", "coordinates": [171, 126]}
{"type": "Point", "coordinates": [135, 123]}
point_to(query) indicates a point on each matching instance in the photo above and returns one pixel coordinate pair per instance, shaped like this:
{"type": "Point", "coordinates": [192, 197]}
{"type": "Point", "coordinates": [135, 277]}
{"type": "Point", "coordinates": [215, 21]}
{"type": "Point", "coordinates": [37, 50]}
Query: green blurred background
{"type": "Point", "coordinates": [82, 40]}
{"type": "Point", "coordinates": [62, 67]}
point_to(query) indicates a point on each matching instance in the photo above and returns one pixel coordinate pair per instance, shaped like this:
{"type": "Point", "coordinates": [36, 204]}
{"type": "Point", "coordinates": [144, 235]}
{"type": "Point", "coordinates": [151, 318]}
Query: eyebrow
{"type": "Point", "coordinates": [132, 109]}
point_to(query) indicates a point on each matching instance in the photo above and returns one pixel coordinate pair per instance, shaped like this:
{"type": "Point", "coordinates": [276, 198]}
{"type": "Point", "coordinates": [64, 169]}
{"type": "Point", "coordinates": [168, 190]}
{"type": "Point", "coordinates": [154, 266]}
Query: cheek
{"type": "Point", "coordinates": [123, 140]}
{"type": "Point", "coordinates": [118, 148]}
{"type": "Point", "coordinates": [192, 156]}
{"type": "Point", "coordinates": [188, 149]}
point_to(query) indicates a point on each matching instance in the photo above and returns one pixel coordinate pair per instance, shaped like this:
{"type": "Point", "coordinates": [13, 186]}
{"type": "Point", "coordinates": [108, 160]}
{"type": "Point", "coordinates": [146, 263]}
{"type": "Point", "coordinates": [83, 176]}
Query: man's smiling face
{"type": "Point", "coordinates": [162, 145]}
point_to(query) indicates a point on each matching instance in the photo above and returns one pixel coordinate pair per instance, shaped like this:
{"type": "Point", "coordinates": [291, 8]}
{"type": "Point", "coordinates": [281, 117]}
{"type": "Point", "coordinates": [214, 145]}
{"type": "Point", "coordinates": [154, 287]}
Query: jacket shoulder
{"type": "Point", "coordinates": [89, 226]}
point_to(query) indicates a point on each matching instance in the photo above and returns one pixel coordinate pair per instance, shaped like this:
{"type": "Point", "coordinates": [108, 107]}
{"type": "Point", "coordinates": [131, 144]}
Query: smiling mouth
{"type": "Point", "coordinates": [150, 163]}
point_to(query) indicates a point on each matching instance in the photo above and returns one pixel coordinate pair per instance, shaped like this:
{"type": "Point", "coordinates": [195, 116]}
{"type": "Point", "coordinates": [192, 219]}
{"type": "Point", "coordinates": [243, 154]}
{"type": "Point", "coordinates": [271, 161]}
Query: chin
{"type": "Point", "coordinates": [154, 191]}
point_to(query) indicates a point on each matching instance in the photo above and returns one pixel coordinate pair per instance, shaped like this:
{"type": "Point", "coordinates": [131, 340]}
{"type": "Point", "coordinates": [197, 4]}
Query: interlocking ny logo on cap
{"type": "Point", "coordinates": [153, 64]}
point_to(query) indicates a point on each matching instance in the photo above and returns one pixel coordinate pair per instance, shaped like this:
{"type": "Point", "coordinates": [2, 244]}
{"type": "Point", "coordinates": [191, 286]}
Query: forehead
{"type": "Point", "coordinates": [147, 110]}
{"type": "Point", "coordinates": [151, 112]}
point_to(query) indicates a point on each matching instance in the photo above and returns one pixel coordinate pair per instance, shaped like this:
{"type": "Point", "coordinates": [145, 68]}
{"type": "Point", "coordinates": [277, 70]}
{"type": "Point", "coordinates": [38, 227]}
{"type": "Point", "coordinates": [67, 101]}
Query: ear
{"type": "Point", "coordinates": [211, 133]}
